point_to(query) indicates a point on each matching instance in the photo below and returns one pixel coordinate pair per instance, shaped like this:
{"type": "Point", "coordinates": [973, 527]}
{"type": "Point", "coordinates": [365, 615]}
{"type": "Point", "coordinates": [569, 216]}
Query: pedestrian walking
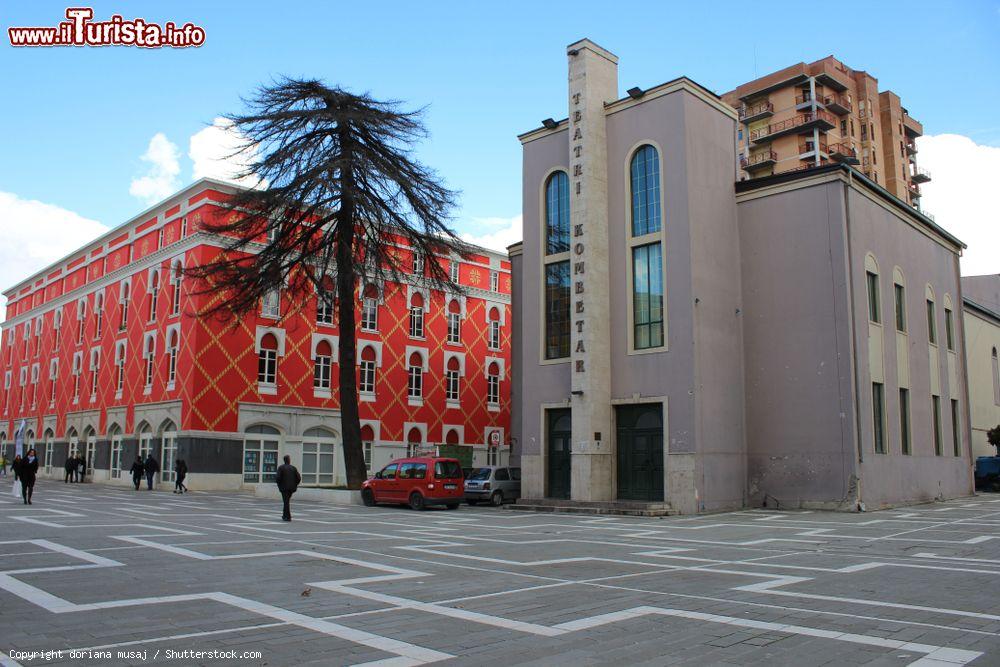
{"type": "Point", "coordinates": [181, 470]}
{"type": "Point", "coordinates": [288, 479]}
{"type": "Point", "coordinates": [27, 470]}
{"type": "Point", "coordinates": [15, 466]}
{"type": "Point", "coordinates": [152, 467]}
{"type": "Point", "coordinates": [81, 467]}
{"type": "Point", "coordinates": [70, 468]}
{"type": "Point", "coordinates": [3, 465]}
{"type": "Point", "coordinates": [137, 471]}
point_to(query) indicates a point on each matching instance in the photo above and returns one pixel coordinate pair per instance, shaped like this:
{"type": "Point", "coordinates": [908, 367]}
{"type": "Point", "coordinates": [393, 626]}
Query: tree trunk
{"type": "Point", "coordinates": [350, 420]}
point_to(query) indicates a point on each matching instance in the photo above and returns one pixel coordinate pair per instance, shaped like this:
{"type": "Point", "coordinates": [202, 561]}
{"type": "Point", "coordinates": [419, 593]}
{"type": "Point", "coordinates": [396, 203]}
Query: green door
{"type": "Point", "coordinates": [640, 452]}
{"type": "Point", "coordinates": [560, 432]}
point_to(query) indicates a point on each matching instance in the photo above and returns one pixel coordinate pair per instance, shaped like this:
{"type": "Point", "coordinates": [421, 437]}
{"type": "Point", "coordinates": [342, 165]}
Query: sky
{"type": "Point", "coordinates": [95, 135]}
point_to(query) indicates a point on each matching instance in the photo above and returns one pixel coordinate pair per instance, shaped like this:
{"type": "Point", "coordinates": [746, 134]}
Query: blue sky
{"type": "Point", "coordinates": [77, 120]}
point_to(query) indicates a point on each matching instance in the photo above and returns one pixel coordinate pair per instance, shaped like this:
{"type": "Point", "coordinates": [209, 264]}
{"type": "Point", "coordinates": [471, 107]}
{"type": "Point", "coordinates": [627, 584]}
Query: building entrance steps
{"type": "Point", "coordinates": [615, 507]}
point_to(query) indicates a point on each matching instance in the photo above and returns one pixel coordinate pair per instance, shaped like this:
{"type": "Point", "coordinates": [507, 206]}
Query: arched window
{"type": "Point", "coordinates": [172, 345]}
{"type": "Point", "coordinates": [454, 322]}
{"type": "Point", "coordinates": [645, 180]}
{"type": "Point", "coordinates": [494, 332]}
{"type": "Point", "coordinates": [324, 301]}
{"type": "Point", "coordinates": [267, 360]}
{"type": "Point", "coordinates": [366, 382]}
{"type": "Point", "coordinates": [369, 308]}
{"type": "Point", "coordinates": [154, 293]}
{"type": "Point", "coordinates": [120, 367]}
{"type": "Point", "coordinates": [260, 454]}
{"type": "Point", "coordinates": [493, 384]}
{"type": "Point", "coordinates": [647, 250]}
{"type": "Point", "coordinates": [145, 432]}
{"type": "Point", "coordinates": [874, 298]}
{"type": "Point", "coordinates": [557, 213]}
{"type": "Point", "coordinates": [175, 287]}
{"type": "Point", "coordinates": [81, 321]}
{"type": "Point", "coordinates": [417, 315]}
{"type": "Point", "coordinates": [415, 373]}
{"type": "Point", "coordinates": [95, 365]}
{"type": "Point", "coordinates": [413, 441]}
{"type": "Point", "coordinates": [123, 308]}
{"type": "Point", "coordinates": [77, 370]}
{"type": "Point", "coordinates": [98, 315]}
{"type": "Point", "coordinates": [115, 462]}
{"type": "Point", "coordinates": [150, 354]}
{"type": "Point", "coordinates": [318, 450]}
{"type": "Point", "coordinates": [452, 437]}
{"type": "Point", "coordinates": [322, 366]}
{"type": "Point", "coordinates": [452, 380]}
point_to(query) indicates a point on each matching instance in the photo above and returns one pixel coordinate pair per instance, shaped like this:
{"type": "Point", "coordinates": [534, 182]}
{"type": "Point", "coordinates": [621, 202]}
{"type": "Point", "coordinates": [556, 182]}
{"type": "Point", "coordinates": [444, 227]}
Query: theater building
{"type": "Point", "coordinates": [103, 353]}
{"type": "Point", "coordinates": [688, 339]}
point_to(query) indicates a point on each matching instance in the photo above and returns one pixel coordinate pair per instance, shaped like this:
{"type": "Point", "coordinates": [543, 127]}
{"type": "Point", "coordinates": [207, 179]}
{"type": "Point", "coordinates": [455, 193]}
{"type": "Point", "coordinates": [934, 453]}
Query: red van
{"type": "Point", "coordinates": [418, 481]}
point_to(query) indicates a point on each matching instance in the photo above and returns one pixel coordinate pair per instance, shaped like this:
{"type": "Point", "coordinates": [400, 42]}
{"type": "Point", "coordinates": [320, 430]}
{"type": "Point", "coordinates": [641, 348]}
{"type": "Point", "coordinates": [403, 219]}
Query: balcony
{"type": "Point", "coordinates": [911, 148]}
{"type": "Point", "coordinates": [749, 114]}
{"type": "Point", "coordinates": [759, 160]}
{"type": "Point", "coordinates": [920, 175]}
{"type": "Point", "coordinates": [838, 104]}
{"type": "Point", "coordinates": [810, 147]}
{"type": "Point", "coordinates": [914, 190]}
{"type": "Point", "coordinates": [803, 122]}
{"type": "Point", "coordinates": [843, 153]}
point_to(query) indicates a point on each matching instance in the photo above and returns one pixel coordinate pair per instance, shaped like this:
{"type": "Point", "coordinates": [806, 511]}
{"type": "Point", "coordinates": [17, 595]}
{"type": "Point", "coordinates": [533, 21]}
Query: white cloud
{"type": "Point", "coordinates": [213, 152]}
{"type": "Point", "coordinates": [164, 167]}
{"type": "Point", "coordinates": [36, 234]}
{"type": "Point", "coordinates": [495, 233]}
{"type": "Point", "coordinates": [958, 195]}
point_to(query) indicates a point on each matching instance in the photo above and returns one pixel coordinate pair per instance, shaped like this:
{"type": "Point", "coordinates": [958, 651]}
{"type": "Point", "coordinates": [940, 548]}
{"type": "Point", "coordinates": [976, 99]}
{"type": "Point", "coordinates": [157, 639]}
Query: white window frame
{"type": "Point", "coordinates": [154, 293]}
{"type": "Point", "coordinates": [369, 314]}
{"type": "Point", "coordinates": [417, 322]}
{"type": "Point", "coordinates": [270, 304]}
{"type": "Point", "coordinates": [494, 281]}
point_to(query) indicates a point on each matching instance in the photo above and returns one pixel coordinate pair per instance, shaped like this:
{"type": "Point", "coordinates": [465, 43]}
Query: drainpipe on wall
{"type": "Point", "coordinates": [854, 334]}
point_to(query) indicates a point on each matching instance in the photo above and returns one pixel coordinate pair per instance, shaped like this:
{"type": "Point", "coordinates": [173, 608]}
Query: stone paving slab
{"type": "Point", "coordinates": [90, 567]}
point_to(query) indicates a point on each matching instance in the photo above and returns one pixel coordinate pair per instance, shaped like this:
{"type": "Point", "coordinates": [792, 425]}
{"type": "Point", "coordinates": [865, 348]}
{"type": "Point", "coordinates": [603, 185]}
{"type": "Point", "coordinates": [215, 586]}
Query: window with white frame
{"type": "Point", "coordinates": [95, 364]}
{"type": "Point", "coordinates": [418, 263]}
{"type": "Point", "coordinates": [494, 329]}
{"type": "Point", "coordinates": [34, 386]}
{"type": "Point", "coordinates": [150, 354]}
{"type": "Point", "coordinates": [267, 360]}
{"type": "Point", "coordinates": [318, 456]}
{"type": "Point", "coordinates": [260, 454]}
{"type": "Point", "coordinates": [81, 321]}
{"type": "Point", "coordinates": [494, 281]}
{"type": "Point", "coordinates": [154, 293]}
{"type": "Point", "coordinates": [184, 227]}
{"type": "Point", "coordinates": [366, 380]}
{"type": "Point", "coordinates": [56, 328]}
{"type": "Point", "coordinates": [325, 302]}
{"type": "Point", "coordinates": [98, 315]}
{"type": "Point", "coordinates": [115, 464]}
{"type": "Point", "coordinates": [26, 336]}
{"type": "Point", "coordinates": [77, 363]}
{"type": "Point", "coordinates": [172, 344]}
{"type": "Point", "coordinates": [123, 308]}
{"type": "Point", "coordinates": [417, 316]}
{"type": "Point", "coordinates": [493, 384]}
{"type": "Point", "coordinates": [415, 375]}
{"type": "Point", "coordinates": [270, 304]}
{"type": "Point", "coordinates": [38, 336]}
{"type": "Point", "coordinates": [369, 309]}
{"type": "Point", "coordinates": [452, 380]}
{"type": "Point", "coordinates": [323, 365]}
{"type": "Point", "coordinates": [175, 289]}
{"type": "Point", "coordinates": [367, 440]}
{"type": "Point", "coordinates": [119, 368]}
{"type": "Point", "coordinates": [53, 381]}
{"type": "Point", "coordinates": [453, 270]}
{"type": "Point", "coordinates": [455, 322]}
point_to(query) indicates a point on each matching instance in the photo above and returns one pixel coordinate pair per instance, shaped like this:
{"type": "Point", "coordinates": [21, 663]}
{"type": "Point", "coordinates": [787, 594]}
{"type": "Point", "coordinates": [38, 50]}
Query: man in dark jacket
{"type": "Point", "coordinates": [70, 468]}
{"type": "Point", "coordinates": [26, 471]}
{"type": "Point", "coordinates": [152, 467]}
{"type": "Point", "coordinates": [288, 479]}
{"type": "Point", "coordinates": [137, 471]}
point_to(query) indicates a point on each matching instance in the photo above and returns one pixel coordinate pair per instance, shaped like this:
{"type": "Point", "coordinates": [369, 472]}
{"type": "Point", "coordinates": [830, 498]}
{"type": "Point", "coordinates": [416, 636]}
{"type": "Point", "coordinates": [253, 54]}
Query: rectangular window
{"type": "Point", "coordinates": [956, 437]}
{"type": "Point", "coordinates": [324, 307]}
{"type": "Point", "coordinates": [367, 448]}
{"type": "Point", "coordinates": [493, 389]}
{"type": "Point", "coordinates": [416, 322]}
{"type": "Point", "coordinates": [495, 334]}
{"type": "Point", "coordinates": [418, 263]}
{"type": "Point", "coordinates": [904, 420]}
{"type": "Point", "coordinates": [936, 415]}
{"type": "Point", "coordinates": [416, 382]}
{"type": "Point", "coordinates": [453, 271]}
{"type": "Point", "coordinates": [647, 296]}
{"type": "Point", "coordinates": [367, 381]}
{"type": "Point", "coordinates": [120, 384]}
{"type": "Point", "coordinates": [369, 314]}
{"type": "Point", "coordinates": [451, 385]}
{"type": "Point", "coordinates": [267, 367]}
{"type": "Point", "coordinates": [150, 366]}
{"type": "Point", "coordinates": [874, 312]}
{"type": "Point", "coordinates": [949, 330]}
{"type": "Point", "coordinates": [494, 281]}
{"type": "Point", "coordinates": [270, 304]}
{"type": "Point", "coordinates": [116, 457]}
{"type": "Point", "coordinates": [454, 328]}
{"type": "Point", "coordinates": [931, 326]}
{"type": "Point", "coordinates": [878, 416]}
{"type": "Point", "coordinates": [260, 461]}
{"type": "Point", "coordinates": [172, 364]}
{"type": "Point", "coordinates": [900, 293]}
{"type": "Point", "coordinates": [317, 463]}
{"type": "Point", "coordinates": [557, 336]}
{"type": "Point", "coordinates": [321, 372]}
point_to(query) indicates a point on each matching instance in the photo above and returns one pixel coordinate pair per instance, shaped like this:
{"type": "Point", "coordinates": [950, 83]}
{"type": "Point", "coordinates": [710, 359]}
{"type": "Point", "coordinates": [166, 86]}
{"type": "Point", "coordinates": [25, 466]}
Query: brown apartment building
{"type": "Point", "coordinates": [808, 115]}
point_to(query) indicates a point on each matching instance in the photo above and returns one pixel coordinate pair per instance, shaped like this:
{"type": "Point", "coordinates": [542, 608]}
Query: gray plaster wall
{"type": "Point", "coordinates": [984, 290]}
{"type": "Point", "coordinates": [893, 478]}
{"type": "Point", "coordinates": [801, 433]}
{"type": "Point", "coordinates": [517, 359]}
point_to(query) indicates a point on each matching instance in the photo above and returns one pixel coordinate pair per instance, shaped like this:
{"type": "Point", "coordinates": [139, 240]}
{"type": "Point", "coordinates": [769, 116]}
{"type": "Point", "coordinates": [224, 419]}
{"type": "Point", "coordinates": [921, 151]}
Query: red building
{"type": "Point", "coordinates": [102, 353]}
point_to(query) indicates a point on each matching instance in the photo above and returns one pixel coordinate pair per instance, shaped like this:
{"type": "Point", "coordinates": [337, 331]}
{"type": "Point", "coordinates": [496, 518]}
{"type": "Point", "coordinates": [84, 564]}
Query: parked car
{"type": "Point", "coordinates": [496, 484]}
{"type": "Point", "coordinates": [417, 481]}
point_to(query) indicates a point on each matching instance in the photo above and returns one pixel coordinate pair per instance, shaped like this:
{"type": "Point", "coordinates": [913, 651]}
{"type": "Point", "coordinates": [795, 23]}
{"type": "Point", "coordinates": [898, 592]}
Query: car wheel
{"type": "Point", "coordinates": [472, 502]}
{"type": "Point", "coordinates": [416, 501]}
{"type": "Point", "coordinates": [496, 499]}
{"type": "Point", "coordinates": [367, 497]}
{"type": "Point", "coordinates": [452, 506]}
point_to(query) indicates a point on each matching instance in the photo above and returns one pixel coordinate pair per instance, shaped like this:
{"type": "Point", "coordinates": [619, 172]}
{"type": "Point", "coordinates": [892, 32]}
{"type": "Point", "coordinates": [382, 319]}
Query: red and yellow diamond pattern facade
{"type": "Point", "coordinates": [103, 354]}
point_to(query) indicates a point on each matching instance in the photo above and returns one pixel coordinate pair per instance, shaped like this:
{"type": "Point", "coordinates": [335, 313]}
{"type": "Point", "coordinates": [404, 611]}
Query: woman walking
{"type": "Point", "coordinates": [181, 468]}
{"type": "Point", "coordinates": [27, 471]}
{"type": "Point", "coordinates": [16, 466]}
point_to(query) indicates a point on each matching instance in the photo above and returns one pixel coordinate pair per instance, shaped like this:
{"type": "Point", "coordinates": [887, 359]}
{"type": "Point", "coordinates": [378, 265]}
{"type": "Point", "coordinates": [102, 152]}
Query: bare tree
{"type": "Point", "coordinates": [342, 192]}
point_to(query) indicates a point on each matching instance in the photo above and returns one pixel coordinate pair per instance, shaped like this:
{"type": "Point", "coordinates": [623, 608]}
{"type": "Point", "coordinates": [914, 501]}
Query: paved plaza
{"type": "Point", "coordinates": [105, 570]}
